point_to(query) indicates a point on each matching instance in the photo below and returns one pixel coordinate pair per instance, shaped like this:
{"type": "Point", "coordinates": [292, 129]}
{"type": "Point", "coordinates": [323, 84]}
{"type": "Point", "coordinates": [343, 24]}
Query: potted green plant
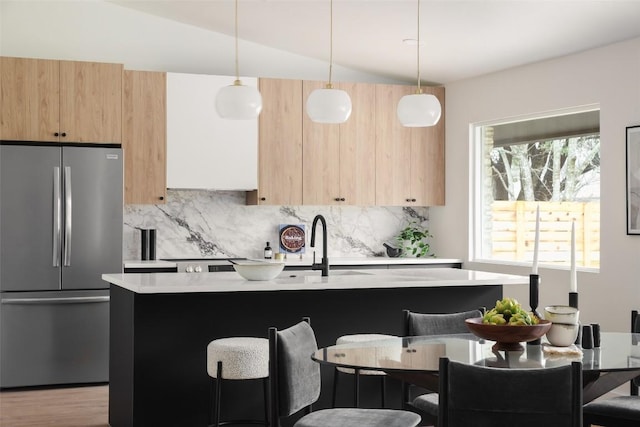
{"type": "Point", "coordinates": [413, 240]}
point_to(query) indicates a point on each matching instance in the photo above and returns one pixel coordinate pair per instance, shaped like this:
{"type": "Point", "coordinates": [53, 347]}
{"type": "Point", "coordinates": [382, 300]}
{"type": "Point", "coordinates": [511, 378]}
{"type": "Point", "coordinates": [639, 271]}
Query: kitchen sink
{"type": "Point", "coordinates": [293, 273]}
{"type": "Point", "coordinates": [348, 273]}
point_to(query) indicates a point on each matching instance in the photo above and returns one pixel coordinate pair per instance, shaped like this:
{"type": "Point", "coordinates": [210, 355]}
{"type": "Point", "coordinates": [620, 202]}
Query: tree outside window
{"type": "Point", "coordinates": [552, 163]}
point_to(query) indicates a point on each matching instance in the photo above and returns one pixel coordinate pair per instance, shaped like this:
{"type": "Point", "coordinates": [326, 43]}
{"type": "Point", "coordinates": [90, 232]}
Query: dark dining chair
{"type": "Point", "coordinates": [426, 404]}
{"type": "Point", "coordinates": [621, 411]}
{"type": "Point", "coordinates": [480, 396]}
{"type": "Point", "coordinates": [295, 385]}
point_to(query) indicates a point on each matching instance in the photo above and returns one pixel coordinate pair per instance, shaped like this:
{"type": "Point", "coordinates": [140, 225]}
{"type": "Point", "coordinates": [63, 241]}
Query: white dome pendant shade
{"type": "Point", "coordinates": [329, 105]}
{"type": "Point", "coordinates": [238, 102]}
{"type": "Point", "coordinates": [419, 110]}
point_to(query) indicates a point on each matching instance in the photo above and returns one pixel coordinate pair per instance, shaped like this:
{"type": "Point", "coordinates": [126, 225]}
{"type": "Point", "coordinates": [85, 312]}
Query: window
{"type": "Point", "coordinates": [551, 162]}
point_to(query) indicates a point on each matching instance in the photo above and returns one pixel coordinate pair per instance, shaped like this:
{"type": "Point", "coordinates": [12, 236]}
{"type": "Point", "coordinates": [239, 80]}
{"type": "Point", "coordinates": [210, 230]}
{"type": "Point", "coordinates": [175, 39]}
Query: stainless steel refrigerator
{"type": "Point", "coordinates": [60, 230]}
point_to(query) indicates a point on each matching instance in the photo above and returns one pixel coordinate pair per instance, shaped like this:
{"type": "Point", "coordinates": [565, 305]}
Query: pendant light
{"type": "Point", "coordinates": [419, 109]}
{"type": "Point", "coordinates": [329, 105]}
{"type": "Point", "coordinates": [237, 101]}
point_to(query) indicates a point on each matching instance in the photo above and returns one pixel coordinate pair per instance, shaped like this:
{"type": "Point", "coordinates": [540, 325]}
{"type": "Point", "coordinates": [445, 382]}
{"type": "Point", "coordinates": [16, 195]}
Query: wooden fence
{"type": "Point", "coordinates": [514, 224]}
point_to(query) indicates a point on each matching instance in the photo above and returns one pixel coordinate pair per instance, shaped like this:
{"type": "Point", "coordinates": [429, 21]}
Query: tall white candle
{"type": "Point", "coordinates": [536, 244]}
{"type": "Point", "coordinates": [573, 284]}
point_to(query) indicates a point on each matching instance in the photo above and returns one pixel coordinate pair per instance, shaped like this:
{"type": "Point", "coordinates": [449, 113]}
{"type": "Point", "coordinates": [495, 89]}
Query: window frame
{"type": "Point", "coordinates": [476, 185]}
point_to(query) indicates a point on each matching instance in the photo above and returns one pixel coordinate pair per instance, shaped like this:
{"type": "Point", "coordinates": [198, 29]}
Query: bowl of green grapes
{"type": "Point", "coordinates": [508, 324]}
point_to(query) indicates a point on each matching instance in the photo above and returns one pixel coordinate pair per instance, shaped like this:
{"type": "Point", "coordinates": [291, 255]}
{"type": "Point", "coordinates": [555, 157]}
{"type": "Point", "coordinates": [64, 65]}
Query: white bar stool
{"type": "Point", "coordinates": [237, 358]}
{"type": "Point", "coordinates": [356, 338]}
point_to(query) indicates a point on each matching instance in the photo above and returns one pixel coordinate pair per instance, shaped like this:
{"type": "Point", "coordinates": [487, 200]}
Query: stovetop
{"type": "Point", "coordinates": [200, 265]}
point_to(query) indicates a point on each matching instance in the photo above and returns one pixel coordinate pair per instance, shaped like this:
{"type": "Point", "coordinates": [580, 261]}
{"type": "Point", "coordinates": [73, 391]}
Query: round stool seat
{"type": "Point", "coordinates": [356, 338]}
{"type": "Point", "coordinates": [243, 358]}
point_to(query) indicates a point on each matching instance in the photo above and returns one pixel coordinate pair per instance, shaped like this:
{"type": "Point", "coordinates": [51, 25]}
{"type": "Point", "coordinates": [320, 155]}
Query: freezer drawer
{"type": "Point", "coordinates": [49, 338]}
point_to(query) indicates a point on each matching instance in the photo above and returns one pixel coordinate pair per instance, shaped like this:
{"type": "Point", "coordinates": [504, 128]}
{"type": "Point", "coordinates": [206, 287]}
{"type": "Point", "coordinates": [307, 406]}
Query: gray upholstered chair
{"type": "Point", "coordinates": [295, 386]}
{"type": "Point", "coordinates": [357, 373]}
{"type": "Point", "coordinates": [432, 324]}
{"type": "Point", "coordinates": [480, 396]}
{"type": "Point", "coordinates": [619, 411]}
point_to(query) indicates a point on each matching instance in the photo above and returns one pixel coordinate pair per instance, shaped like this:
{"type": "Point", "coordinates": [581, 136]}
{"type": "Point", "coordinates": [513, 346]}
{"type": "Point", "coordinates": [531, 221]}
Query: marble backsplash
{"type": "Point", "coordinates": [210, 224]}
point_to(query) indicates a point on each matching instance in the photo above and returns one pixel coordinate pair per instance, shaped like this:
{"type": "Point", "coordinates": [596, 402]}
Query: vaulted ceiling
{"type": "Point", "coordinates": [460, 39]}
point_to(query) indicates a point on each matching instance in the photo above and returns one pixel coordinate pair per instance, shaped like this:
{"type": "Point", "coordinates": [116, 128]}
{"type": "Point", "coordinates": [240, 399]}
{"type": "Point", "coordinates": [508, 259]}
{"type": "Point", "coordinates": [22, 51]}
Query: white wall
{"type": "Point", "coordinates": [609, 76]}
{"type": "Point", "coordinates": [92, 30]}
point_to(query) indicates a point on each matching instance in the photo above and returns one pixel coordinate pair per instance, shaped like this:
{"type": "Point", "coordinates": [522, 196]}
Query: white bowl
{"type": "Point", "coordinates": [562, 335]}
{"type": "Point", "coordinates": [561, 314]}
{"type": "Point", "coordinates": [258, 270]}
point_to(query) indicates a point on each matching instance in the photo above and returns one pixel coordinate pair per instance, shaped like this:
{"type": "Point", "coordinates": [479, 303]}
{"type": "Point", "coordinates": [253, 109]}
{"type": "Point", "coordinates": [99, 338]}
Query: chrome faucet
{"type": "Point", "coordinates": [324, 265]}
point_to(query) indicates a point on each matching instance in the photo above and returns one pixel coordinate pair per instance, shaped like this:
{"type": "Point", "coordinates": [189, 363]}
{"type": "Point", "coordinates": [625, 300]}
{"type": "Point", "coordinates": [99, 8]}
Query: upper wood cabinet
{"type": "Point", "coordinates": [60, 101]}
{"type": "Point", "coordinates": [409, 161]}
{"type": "Point", "coordinates": [144, 137]}
{"type": "Point", "coordinates": [339, 160]}
{"type": "Point", "coordinates": [280, 144]}
{"type": "Point", "coordinates": [205, 151]}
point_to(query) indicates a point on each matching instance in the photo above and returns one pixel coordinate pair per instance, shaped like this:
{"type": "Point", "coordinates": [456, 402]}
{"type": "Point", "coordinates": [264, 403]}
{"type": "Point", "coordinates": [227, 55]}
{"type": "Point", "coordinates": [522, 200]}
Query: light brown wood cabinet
{"type": "Point", "coordinates": [339, 159]}
{"type": "Point", "coordinates": [409, 161]}
{"type": "Point", "coordinates": [144, 137]}
{"type": "Point", "coordinates": [279, 144]}
{"type": "Point", "coordinates": [60, 101]}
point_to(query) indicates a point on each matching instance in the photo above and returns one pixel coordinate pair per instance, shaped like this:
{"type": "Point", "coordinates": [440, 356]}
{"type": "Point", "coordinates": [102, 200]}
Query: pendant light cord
{"type": "Point", "coordinates": [237, 82]}
{"type": "Point", "coordinates": [418, 48]}
{"type": "Point", "coordinates": [329, 85]}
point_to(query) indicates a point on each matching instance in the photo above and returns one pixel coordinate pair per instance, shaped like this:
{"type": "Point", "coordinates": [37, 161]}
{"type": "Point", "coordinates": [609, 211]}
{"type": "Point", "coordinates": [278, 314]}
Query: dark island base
{"type": "Point", "coordinates": [158, 344]}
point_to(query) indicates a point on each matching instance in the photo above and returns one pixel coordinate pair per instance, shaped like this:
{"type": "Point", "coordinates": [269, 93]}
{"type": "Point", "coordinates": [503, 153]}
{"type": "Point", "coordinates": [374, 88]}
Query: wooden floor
{"type": "Point", "coordinates": [59, 407]}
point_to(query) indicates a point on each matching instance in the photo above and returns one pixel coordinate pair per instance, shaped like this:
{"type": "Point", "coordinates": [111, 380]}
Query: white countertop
{"type": "Point", "coordinates": [296, 261]}
{"type": "Point", "coordinates": [161, 283]}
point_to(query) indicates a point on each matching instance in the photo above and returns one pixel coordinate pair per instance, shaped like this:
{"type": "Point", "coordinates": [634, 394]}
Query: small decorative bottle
{"type": "Point", "coordinates": [268, 252]}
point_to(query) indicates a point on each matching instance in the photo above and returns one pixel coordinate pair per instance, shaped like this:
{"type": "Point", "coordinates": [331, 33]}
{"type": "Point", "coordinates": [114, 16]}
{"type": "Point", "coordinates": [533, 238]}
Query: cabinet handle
{"type": "Point", "coordinates": [63, 134]}
{"type": "Point", "coordinates": [342, 199]}
{"type": "Point", "coordinates": [161, 197]}
{"type": "Point", "coordinates": [56, 134]}
{"type": "Point", "coordinates": [408, 200]}
{"type": "Point", "coordinates": [413, 200]}
{"type": "Point", "coordinates": [337, 199]}
{"type": "Point", "coordinates": [263, 199]}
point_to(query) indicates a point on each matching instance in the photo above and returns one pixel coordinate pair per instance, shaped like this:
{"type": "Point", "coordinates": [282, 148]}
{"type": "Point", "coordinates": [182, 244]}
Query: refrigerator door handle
{"type": "Point", "coordinates": [57, 225]}
{"type": "Point", "coordinates": [67, 216]}
{"type": "Point", "coordinates": [68, 300]}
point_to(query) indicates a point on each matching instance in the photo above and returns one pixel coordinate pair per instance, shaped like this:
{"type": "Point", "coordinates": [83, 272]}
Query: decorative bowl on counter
{"type": "Point", "coordinates": [258, 269]}
{"type": "Point", "coordinates": [507, 337]}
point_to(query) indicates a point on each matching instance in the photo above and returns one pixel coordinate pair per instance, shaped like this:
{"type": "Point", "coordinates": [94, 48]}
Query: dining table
{"type": "Point", "coordinates": [415, 359]}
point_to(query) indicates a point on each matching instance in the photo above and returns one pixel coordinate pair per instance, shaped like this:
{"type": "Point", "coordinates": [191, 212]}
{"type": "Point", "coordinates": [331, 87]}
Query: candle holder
{"type": "Point", "coordinates": [573, 302]}
{"type": "Point", "coordinates": [573, 299]}
{"type": "Point", "coordinates": [534, 290]}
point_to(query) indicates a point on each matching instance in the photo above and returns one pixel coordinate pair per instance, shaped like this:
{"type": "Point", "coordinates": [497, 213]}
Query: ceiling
{"type": "Point", "coordinates": [461, 39]}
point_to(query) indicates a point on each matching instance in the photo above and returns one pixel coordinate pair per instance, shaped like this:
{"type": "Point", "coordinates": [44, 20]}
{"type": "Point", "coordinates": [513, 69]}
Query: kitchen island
{"type": "Point", "coordinates": [160, 325]}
